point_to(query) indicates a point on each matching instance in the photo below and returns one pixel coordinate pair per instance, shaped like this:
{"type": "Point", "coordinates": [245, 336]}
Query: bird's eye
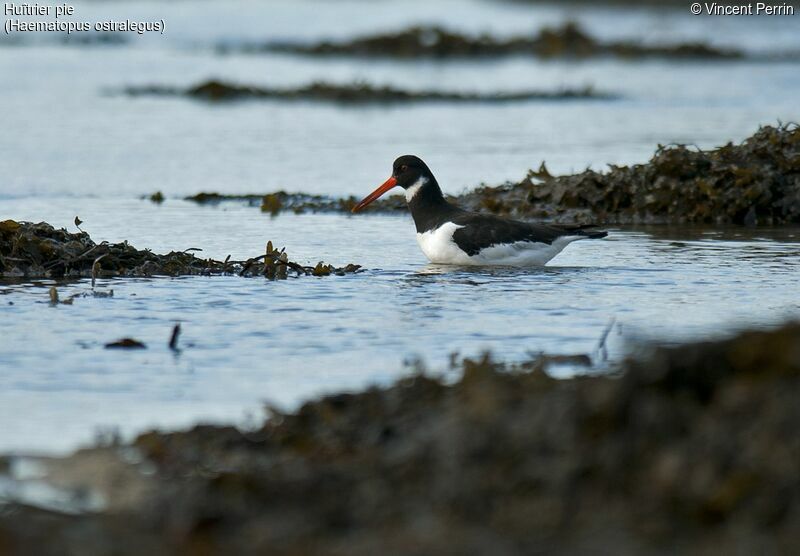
{"type": "Point", "coordinates": [403, 168]}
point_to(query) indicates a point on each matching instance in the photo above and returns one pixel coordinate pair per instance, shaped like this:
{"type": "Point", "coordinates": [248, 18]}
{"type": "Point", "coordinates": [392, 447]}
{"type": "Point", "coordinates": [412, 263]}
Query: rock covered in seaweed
{"type": "Point", "coordinates": [279, 201]}
{"type": "Point", "coordinates": [690, 449]}
{"type": "Point", "coordinates": [356, 93]}
{"type": "Point", "coordinates": [756, 182]}
{"type": "Point", "coordinates": [566, 41]}
{"type": "Point", "coordinates": [40, 250]}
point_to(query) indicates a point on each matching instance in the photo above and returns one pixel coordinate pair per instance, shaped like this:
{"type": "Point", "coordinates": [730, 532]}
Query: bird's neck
{"type": "Point", "coordinates": [427, 205]}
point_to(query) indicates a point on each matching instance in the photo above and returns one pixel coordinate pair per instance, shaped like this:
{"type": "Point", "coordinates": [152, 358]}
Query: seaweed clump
{"type": "Point", "coordinates": [755, 182]}
{"type": "Point", "coordinates": [298, 203]}
{"type": "Point", "coordinates": [40, 250]}
{"type": "Point", "coordinates": [355, 93]}
{"type": "Point", "coordinates": [566, 41]}
{"type": "Point", "coordinates": [690, 449]}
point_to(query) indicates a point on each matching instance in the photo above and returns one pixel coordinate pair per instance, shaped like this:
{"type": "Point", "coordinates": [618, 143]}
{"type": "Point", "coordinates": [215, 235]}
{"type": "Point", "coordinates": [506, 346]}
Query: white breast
{"type": "Point", "coordinates": [439, 247]}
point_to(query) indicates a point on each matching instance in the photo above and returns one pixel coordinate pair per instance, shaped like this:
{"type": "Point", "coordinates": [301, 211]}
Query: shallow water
{"type": "Point", "coordinates": [246, 341]}
{"type": "Point", "coordinates": [70, 146]}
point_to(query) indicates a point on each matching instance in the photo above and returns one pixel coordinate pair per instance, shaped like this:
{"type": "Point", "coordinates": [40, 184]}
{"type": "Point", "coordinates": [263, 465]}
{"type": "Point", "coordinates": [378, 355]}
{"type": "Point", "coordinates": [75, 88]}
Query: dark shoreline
{"type": "Point", "coordinates": [690, 448]}
{"type": "Point", "coordinates": [756, 182]}
{"type": "Point", "coordinates": [568, 41]}
{"type": "Point", "coordinates": [355, 94]}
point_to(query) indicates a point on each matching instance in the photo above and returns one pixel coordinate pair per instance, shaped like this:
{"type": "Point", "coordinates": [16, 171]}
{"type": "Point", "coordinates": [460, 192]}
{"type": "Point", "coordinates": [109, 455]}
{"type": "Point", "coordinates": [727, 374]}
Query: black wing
{"type": "Point", "coordinates": [480, 231]}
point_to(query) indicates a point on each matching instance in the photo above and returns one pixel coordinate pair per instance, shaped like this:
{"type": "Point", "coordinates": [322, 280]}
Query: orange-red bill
{"type": "Point", "coordinates": [386, 186]}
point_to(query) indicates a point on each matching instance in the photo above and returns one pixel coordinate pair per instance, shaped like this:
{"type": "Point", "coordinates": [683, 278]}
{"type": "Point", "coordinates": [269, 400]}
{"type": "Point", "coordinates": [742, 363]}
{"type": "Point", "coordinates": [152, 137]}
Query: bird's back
{"type": "Point", "coordinates": [479, 231]}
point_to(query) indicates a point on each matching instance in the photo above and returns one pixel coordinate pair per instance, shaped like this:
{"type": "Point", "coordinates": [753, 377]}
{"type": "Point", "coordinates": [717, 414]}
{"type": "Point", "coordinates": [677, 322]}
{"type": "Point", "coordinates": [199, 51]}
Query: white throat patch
{"type": "Point", "coordinates": [414, 189]}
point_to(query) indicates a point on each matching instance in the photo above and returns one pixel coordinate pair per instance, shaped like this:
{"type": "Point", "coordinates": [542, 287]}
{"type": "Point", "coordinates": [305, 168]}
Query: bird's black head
{"type": "Point", "coordinates": [408, 172]}
{"type": "Point", "coordinates": [408, 169]}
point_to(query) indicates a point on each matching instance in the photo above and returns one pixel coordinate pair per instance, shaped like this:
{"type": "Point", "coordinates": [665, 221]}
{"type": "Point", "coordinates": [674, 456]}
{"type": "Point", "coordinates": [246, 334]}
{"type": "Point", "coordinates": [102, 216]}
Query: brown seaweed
{"type": "Point", "coordinates": [126, 343]}
{"type": "Point", "coordinates": [755, 182]}
{"type": "Point", "coordinates": [40, 250]}
{"type": "Point", "coordinates": [298, 203]}
{"type": "Point", "coordinates": [566, 41]}
{"type": "Point", "coordinates": [356, 93]}
{"type": "Point", "coordinates": [688, 449]}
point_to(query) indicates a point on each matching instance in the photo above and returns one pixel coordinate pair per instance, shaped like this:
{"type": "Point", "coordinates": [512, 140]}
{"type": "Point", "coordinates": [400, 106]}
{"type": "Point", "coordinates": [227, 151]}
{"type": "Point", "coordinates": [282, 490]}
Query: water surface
{"type": "Point", "coordinates": [67, 133]}
{"type": "Point", "coordinates": [70, 145]}
{"type": "Point", "coordinates": [247, 341]}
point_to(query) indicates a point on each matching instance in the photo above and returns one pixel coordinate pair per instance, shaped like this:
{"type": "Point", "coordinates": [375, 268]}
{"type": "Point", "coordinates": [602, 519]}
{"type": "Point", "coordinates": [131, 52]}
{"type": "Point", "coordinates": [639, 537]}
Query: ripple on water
{"type": "Point", "coordinates": [246, 341]}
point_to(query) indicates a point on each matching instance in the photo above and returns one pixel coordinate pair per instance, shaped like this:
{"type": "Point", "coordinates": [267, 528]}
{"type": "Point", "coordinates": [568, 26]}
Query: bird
{"type": "Point", "coordinates": [450, 235]}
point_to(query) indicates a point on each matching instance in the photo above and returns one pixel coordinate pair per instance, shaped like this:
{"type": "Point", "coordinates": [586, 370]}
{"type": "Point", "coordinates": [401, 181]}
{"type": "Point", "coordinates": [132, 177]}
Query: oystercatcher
{"type": "Point", "coordinates": [450, 235]}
